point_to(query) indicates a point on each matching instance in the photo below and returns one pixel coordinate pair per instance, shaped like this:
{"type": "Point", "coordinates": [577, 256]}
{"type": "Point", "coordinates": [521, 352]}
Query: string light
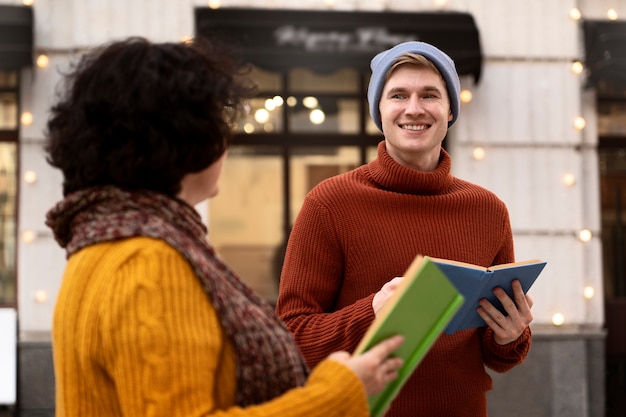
{"type": "Point", "coordinates": [575, 14]}
{"type": "Point", "coordinates": [478, 153]}
{"type": "Point", "coordinates": [558, 319]}
{"type": "Point", "coordinates": [41, 296]}
{"type": "Point", "coordinates": [278, 101]}
{"type": "Point", "coordinates": [30, 177]}
{"type": "Point", "coordinates": [577, 67]}
{"type": "Point", "coordinates": [27, 2]}
{"type": "Point", "coordinates": [569, 179]}
{"type": "Point", "coordinates": [42, 61]}
{"type": "Point", "coordinates": [317, 117]}
{"type": "Point", "coordinates": [248, 128]}
{"type": "Point", "coordinates": [27, 118]}
{"type": "Point", "coordinates": [588, 292]}
{"type": "Point", "coordinates": [585, 235]}
{"type": "Point", "coordinates": [261, 116]}
{"type": "Point", "coordinates": [579, 123]}
{"type": "Point", "coordinates": [611, 14]}
{"type": "Point", "coordinates": [466, 96]}
{"type": "Point", "coordinates": [28, 236]}
{"type": "Point", "coordinates": [215, 4]}
{"type": "Point", "coordinates": [270, 104]}
{"type": "Point", "coordinates": [310, 102]}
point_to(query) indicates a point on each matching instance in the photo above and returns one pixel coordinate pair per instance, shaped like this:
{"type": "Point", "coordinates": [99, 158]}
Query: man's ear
{"type": "Point", "coordinates": [450, 115]}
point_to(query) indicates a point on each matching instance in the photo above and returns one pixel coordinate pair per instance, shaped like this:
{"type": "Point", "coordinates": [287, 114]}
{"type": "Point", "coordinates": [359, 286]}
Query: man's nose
{"type": "Point", "coordinates": [414, 105]}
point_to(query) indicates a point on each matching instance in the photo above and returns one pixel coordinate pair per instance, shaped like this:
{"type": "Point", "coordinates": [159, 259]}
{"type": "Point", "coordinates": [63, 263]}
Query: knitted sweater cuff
{"type": "Point", "coordinates": [348, 392]}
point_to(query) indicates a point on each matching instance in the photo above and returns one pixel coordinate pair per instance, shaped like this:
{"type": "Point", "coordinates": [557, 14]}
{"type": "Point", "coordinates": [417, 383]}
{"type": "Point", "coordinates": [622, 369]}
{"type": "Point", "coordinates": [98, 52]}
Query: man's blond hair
{"type": "Point", "coordinates": [416, 60]}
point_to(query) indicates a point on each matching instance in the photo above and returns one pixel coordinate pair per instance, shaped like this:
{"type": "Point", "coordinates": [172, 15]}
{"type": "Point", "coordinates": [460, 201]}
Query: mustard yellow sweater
{"type": "Point", "coordinates": [135, 335]}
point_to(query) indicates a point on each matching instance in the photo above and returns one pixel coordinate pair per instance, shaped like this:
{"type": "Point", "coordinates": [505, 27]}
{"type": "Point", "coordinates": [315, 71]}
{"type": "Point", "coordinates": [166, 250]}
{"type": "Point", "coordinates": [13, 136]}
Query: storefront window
{"type": "Point", "coordinates": [8, 110]}
{"type": "Point", "coordinates": [612, 118]}
{"type": "Point", "coordinates": [8, 185]}
{"type": "Point", "coordinates": [7, 222]}
{"type": "Point", "coordinates": [245, 217]}
{"type": "Point", "coordinates": [307, 102]}
{"type": "Point", "coordinates": [302, 128]}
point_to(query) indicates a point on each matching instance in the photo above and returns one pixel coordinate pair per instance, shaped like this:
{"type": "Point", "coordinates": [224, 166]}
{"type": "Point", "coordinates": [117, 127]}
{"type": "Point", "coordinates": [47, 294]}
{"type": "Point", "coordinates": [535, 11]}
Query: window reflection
{"type": "Point", "coordinates": [345, 81]}
{"type": "Point", "coordinates": [327, 115]}
{"type": "Point", "coordinates": [7, 222]}
{"type": "Point", "coordinates": [8, 110]}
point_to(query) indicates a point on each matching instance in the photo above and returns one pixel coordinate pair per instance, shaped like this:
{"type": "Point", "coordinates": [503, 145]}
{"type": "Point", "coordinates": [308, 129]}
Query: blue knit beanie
{"type": "Point", "coordinates": [383, 61]}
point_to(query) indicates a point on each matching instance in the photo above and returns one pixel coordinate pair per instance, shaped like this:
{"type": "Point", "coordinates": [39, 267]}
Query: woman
{"type": "Point", "coordinates": [148, 320]}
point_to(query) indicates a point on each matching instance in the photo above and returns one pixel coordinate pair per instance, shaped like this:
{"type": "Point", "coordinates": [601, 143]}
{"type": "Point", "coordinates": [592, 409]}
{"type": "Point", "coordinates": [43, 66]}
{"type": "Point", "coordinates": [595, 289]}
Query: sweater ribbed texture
{"type": "Point", "coordinates": [135, 335]}
{"type": "Point", "coordinates": [358, 230]}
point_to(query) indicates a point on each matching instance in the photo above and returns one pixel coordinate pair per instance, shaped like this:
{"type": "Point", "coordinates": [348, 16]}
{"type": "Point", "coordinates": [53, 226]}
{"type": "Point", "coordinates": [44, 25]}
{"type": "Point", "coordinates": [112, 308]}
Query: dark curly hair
{"type": "Point", "coordinates": [142, 115]}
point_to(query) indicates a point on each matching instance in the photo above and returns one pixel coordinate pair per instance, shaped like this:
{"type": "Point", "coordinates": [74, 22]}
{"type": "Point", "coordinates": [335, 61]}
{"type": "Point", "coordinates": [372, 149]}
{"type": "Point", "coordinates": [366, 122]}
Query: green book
{"type": "Point", "coordinates": [419, 309]}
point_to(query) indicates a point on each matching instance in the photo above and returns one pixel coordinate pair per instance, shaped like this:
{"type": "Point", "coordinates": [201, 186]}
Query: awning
{"type": "Point", "coordinates": [16, 37]}
{"type": "Point", "coordinates": [605, 50]}
{"type": "Point", "coordinates": [325, 41]}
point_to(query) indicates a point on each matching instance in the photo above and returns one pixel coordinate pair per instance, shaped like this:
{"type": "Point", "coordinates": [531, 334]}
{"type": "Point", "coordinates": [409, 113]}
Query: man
{"type": "Point", "coordinates": [357, 231]}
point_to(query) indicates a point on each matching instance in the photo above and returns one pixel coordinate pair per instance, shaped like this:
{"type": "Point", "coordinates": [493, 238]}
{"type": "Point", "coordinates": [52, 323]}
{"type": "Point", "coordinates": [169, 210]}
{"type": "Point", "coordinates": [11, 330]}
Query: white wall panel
{"type": "Point", "coordinates": [38, 89]}
{"type": "Point", "coordinates": [530, 28]}
{"type": "Point", "coordinates": [560, 287]}
{"type": "Point", "coordinates": [522, 102]}
{"type": "Point", "coordinates": [41, 266]}
{"type": "Point", "coordinates": [8, 356]}
{"type": "Point", "coordinates": [71, 24]}
{"type": "Point", "coordinates": [597, 9]}
{"type": "Point", "coordinates": [530, 182]}
{"type": "Point", "coordinates": [40, 262]}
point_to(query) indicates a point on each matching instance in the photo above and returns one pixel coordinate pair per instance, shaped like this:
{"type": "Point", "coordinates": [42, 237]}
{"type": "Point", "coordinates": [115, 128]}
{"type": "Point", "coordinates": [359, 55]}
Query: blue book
{"type": "Point", "coordinates": [475, 282]}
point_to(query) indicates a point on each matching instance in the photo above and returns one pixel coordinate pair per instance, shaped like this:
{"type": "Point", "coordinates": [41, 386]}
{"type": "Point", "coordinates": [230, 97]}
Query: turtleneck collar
{"type": "Point", "coordinates": [390, 175]}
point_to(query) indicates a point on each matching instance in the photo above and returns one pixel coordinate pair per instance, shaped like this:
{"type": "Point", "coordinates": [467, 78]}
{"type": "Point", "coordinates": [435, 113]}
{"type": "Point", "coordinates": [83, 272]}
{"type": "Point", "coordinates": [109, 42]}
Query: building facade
{"type": "Point", "coordinates": [536, 130]}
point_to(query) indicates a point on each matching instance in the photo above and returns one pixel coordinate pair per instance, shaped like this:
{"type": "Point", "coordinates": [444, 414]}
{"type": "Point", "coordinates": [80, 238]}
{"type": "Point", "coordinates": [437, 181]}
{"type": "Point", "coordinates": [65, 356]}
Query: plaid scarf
{"type": "Point", "coordinates": [267, 357]}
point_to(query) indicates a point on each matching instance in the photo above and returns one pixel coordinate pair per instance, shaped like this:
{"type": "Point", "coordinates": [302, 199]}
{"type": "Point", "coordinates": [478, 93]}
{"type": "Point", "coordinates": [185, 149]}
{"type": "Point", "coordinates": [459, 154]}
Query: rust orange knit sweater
{"type": "Point", "coordinates": [358, 230]}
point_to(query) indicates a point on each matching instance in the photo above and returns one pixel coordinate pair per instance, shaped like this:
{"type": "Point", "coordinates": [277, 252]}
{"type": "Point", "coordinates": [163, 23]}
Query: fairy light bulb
{"type": "Point", "coordinates": [41, 296]}
{"type": "Point", "coordinates": [585, 235]}
{"type": "Point", "coordinates": [579, 123]}
{"type": "Point", "coordinates": [28, 236]}
{"type": "Point", "coordinates": [611, 14]}
{"type": "Point", "coordinates": [478, 153]}
{"type": "Point", "coordinates": [589, 292]}
{"type": "Point", "coordinates": [577, 67]}
{"type": "Point", "coordinates": [466, 96]}
{"type": "Point", "coordinates": [42, 61]}
{"type": "Point", "coordinates": [270, 104]}
{"type": "Point", "coordinates": [558, 319]}
{"type": "Point", "coordinates": [575, 14]}
{"type": "Point", "coordinates": [569, 179]}
{"type": "Point", "coordinates": [27, 118]}
{"type": "Point", "coordinates": [317, 116]}
{"type": "Point", "coordinates": [30, 177]}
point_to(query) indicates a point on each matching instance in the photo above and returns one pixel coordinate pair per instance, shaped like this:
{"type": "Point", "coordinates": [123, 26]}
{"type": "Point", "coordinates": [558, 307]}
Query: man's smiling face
{"type": "Point", "coordinates": [415, 111]}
